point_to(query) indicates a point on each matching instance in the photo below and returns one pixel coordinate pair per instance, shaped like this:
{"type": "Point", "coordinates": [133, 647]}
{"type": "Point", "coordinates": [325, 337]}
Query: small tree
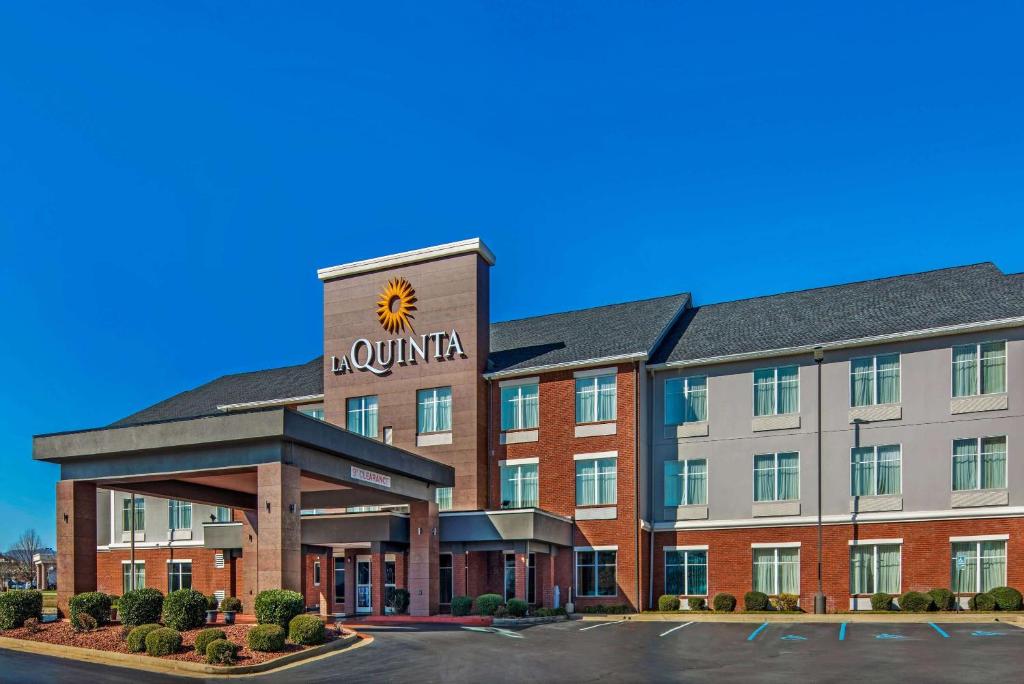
{"type": "Point", "coordinates": [23, 552]}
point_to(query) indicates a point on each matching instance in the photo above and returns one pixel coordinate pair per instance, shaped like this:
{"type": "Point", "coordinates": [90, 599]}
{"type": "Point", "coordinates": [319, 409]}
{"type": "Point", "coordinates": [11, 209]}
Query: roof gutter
{"type": "Point", "coordinates": [636, 356]}
{"type": "Point", "coordinates": [266, 403]}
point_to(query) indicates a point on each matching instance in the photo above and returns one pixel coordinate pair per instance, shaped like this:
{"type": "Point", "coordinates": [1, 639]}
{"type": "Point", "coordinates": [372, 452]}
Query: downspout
{"type": "Point", "coordinates": [650, 482]}
{"type": "Point", "coordinates": [131, 532]}
{"type": "Point", "coordinates": [636, 478]}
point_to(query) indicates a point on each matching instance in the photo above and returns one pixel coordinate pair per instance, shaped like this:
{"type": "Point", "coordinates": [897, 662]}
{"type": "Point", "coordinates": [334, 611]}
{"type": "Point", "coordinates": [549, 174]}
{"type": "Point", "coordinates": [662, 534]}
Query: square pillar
{"type": "Point", "coordinates": [424, 549]}
{"type": "Point", "coordinates": [327, 584]}
{"type": "Point", "coordinates": [350, 581]}
{"type": "Point", "coordinates": [278, 525]}
{"type": "Point", "coordinates": [76, 540]}
{"type": "Point", "coordinates": [522, 558]}
{"type": "Point", "coordinates": [377, 578]}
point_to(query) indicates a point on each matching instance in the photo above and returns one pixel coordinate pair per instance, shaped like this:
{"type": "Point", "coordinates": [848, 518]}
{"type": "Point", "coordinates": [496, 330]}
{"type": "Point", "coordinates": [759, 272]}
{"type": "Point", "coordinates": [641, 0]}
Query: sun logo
{"type": "Point", "coordinates": [395, 306]}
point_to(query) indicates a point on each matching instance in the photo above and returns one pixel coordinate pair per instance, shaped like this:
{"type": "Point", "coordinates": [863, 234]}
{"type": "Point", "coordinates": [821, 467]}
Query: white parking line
{"type": "Point", "coordinates": [601, 624]}
{"type": "Point", "coordinates": [675, 628]}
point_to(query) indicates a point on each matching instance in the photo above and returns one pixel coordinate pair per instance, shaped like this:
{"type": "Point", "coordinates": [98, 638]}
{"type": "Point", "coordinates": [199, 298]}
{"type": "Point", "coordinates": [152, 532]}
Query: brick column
{"type": "Point", "coordinates": [350, 581]}
{"type": "Point", "coordinates": [424, 548]}
{"type": "Point", "coordinates": [76, 540]}
{"type": "Point", "coordinates": [327, 584]}
{"type": "Point", "coordinates": [279, 549]}
{"type": "Point", "coordinates": [250, 559]}
{"type": "Point", "coordinates": [377, 578]}
{"type": "Point", "coordinates": [522, 556]}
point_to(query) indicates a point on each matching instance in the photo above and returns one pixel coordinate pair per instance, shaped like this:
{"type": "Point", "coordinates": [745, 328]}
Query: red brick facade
{"type": "Point", "coordinates": [206, 576]}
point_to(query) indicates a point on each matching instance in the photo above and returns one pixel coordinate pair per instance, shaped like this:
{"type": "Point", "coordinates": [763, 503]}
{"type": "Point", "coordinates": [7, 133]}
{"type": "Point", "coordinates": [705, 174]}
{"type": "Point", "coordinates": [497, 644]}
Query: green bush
{"type": "Point", "coordinates": [881, 601]}
{"type": "Point", "coordinates": [399, 601]}
{"type": "Point", "coordinates": [549, 612]}
{"type": "Point", "coordinates": [943, 599]}
{"type": "Point", "coordinates": [204, 638]}
{"type": "Point", "coordinates": [163, 641]}
{"type": "Point", "coordinates": [266, 638]}
{"type": "Point", "coordinates": [306, 630]}
{"type": "Point", "coordinates": [668, 602]}
{"type": "Point", "coordinates": [755, 600]}
{"type": "Point", "coordinates": [787, 602]}
{"type": "Point", "coordinates": [278, 607]}
{"type": "Point", "coordinates": [231, 604]}
{"type": "Point", "coordinates": [211, 602]}
{"type": "Point", "coordinates": [185, 609]}
{"type": "Point", "coordinates": [137, 637]}
{"type": "Point", "coordinates": [517, 607]}
{"type": "Point", "coordinates": [95, 604]}
{"type": "Point", "coordinates": [221, 652]}
{"type": "Point", "coordinates": [487, 604]}
{"type": "Point", "coordinates": [86, 622]}
{"type": "Point", "coordinates": [915, 602]}
{"type": "Point", "coordinates": [19, 605]}
{"type": "Point", "coordinates": [724, 603]}
{"type": "Point", "coordinates": [697, 603]}
{"type": "Point", "coordinates": [983, 602]}
{"type": "Point", "coordinates": [1007, 598]}
{"type": "Point", "coordinates": [462, 605]}
{"type": "Point", "coordinates": [115, 601]}
{"type": "Point", "coordinates": [140, 607]}
{"type": "Point", "coordinates": [616, 609]}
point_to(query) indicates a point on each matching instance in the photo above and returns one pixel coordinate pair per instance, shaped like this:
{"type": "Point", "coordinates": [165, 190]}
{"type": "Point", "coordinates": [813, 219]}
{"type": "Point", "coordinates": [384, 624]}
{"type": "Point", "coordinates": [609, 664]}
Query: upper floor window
{"type": "Point", "coordinates": [686, 482]}
{"type": "Point", "coordinates": [313, 411]}
{"type": "Point", "coordinates": [179, 515]}
{"type": "Point", "coordinates": [140, 514]}
{"type": "Point", "coordinates": [777, 477]}
{"type": "Point", "coordinates": [596, 481]}
{"type": "Point", "coordinates": [979, 369]}
{"type": "Point", "coordinates": [434, 410]}
{"type": "Point", "coordinates": [875, 380]}
{"type": "Point", "coordinates": [519, 485]}
{"type": "Point", "coordinates": [776, 391]}
{"type": "Point", "coordinates": [443, 496]}
{"type": "Point", "coordinates": [595, 398]}
{"type": "Point", "coordinates": [222, 514]}
{"type": "Point", "coordinates": [686, 400]}
{"type": "Point", "coordinates": [979, 463]}
{"type": "Point", "coordinates": [361, 415]}
{"type": "Point", "coordinates": [875, 471]}
{"type": "Point", "coordinates": [519, 407]}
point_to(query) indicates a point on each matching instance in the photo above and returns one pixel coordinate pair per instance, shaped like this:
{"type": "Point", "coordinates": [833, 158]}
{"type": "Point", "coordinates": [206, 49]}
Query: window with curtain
{"type": "Point", "coordinates": [361, 416]}
{"type": "Point", "coordinates": [776, 391]}
{"type": "Point", "coordinates": [686, 573]}
{"type": "Point", "coordinates": [595, 399]}
{"type": "Point", "coordinates": [179, 515]}
{"type": "Point", "coordinates": [126, 576]}
{"type": "Point", "coordinates": [443, 496]}
{"type": "Point", "coordinates": [875, 380]}
{"type": "Point", "coordinates": [875, 470]}
{"type": "Point", "coordinates": [596, 481]}
{"type": "Point", "coordinates": [222, 514]}
{"type": "Point", "coordinates": [313, 411]}
{"type": "Point", "coordinates": [595, 573]}
{"type": "Point", "coordinates": [686, 482]}
{"type": "Point", "coordinates": [979, 369]}
{"type": "Point", "coordinates": [434, 410]}
{"type": "Point", "coordinates": [519, 486]}
{"type": "Point", "coordinates": [985, 566]}
{"type": "Point", "coordinates": [520, 407]}
{"type": "Point", "coordinates": [979, 463]}
{"type": "Point", "coordinates": [777, 476]}
{"type": "Point", "coordinates": [179, 575]}
{"type": "Point", "coordinates": [140, 514]}
{"type": "Point", "coordinates": [686, 400]}
{"type": "Point", "coordinates": [777, 570]}
{"type": "Point", "coordinates": [875, 568]}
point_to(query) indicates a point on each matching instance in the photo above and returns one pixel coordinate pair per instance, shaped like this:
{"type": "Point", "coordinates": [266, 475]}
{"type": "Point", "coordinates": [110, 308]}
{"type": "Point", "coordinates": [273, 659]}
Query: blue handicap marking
{"type": "Point", "coordinates": [794, 637]}
{"type": "Point", "coordinates": [889, 636]}
{"type": "Point", "coordinates": [984, 633]}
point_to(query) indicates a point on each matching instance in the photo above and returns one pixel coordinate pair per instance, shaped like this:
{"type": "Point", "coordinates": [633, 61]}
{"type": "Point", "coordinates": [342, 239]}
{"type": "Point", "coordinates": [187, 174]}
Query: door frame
{"type": "Point", "coordinates": [369, 562]}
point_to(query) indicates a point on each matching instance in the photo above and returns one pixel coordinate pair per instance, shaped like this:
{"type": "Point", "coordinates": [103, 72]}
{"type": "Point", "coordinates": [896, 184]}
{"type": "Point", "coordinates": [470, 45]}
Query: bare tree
{"type": "Point", "coordinates": [22, 552]}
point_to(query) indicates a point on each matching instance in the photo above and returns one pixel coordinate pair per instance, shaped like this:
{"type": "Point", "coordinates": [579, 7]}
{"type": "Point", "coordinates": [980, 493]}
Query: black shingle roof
{"type": "Point", "coordinates": [951, 296]}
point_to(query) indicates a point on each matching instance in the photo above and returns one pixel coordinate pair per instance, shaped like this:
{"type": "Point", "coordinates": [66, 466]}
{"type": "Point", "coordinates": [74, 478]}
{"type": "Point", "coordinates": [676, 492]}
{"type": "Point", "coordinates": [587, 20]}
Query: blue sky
{"type": "Point", "coordinates": [172, 174]}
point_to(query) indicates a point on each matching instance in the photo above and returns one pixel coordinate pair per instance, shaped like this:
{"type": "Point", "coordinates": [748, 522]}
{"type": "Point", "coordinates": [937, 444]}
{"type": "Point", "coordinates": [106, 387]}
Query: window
{"type": "Point", "coordinates": [510, 576]}
{"type": "Point", "coordinates": [875, 471]}
{"type": "Point", "coordinates": [126, 576]}
{"type": "Point", "coordinates": [595, 481]}
{"type": "Point", "coordinates": [434, 412]}
{"type": "Point", "coordinates": [686, 482]}
{"type": "Point", "coordinates": [361, 416]}
{"type": "Point", "coordinates": [776, 391]}
{"type": "Point", "coordinates": [179, 515]}
{"type": "Point", "coordinates": [531, 579]}
{"type": "Point", "coordinates": [984, 567]}
{"type": "Point", "coordinates": [686, 573]}
{"type": "Point", "coordinates": [140, 514]}
{"type": "Point", "coordinates": [443, 496]}
{"type": "Point", "coordinates": [985, 472]}
{"type": "Point", "coordinates": [777, 477]}
{"type": "Point", "coordinates": [875, 380]}
{"type": "Point", "coordinates": [875, 568]}
{"type": "Point", "coordinates": [446, 577]}
{"type": "Point", "coordinates": [179, 575]}
{"type": "Point", "coordinates": [222, 514]}
{"type": "Point", "coordinates": [971, 377]}
{"type": "Point", "coordinates": [313, 411]}
{"type": "Point", "coordinates": [686, 400]}
{"type": "Point", "coordinates": [339, 580]}
{"type": "Point", "coordinates": [595, 399]}
{"type": "Point", "coordinates": [519, 407]}
{"type": "Point", "coordinates": [316, 573]}
{"type": "Point", "coordinates": [390, 586]}
{"type": "Point", "coordinates": [595, 573]}
{"type": "Point", "coordinates": [519, 486]}
{"type": "Point", "coordinates": [777, 570]}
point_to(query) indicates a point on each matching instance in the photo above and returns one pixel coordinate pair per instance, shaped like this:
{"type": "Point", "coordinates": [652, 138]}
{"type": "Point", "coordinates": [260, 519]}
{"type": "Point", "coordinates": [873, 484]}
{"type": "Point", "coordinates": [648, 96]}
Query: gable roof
{"type": "Point", "coordinates": [840, 313]}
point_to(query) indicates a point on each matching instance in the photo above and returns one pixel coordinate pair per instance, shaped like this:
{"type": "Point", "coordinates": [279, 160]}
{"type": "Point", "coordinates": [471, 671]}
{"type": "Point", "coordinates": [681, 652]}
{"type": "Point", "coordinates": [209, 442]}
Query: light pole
{"type": "Point", "coordinates": [819, 597]}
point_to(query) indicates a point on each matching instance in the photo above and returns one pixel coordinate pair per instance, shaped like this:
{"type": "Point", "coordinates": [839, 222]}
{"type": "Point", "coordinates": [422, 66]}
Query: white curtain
{"type": "Point", "coordinates": [993, 367]}
{"type": "Point", "coordinates": [764, 477]}
{"type": "Point", "coordinates": [862, 382]}
{"type": "Point", "coordinates": [606, 397]}
{"type": "Point", "coordinates": [965, 370]}
{"type": "Point", "coordinates": [889, 459]}
{"type": "Point", "coordinates": [993, 565]}
{"type": "Point", "coordinates": [862, 471]}
{"type": "Point", "coordinates": [764, 392]}
{"type": "Point", "coordinates": [993, 463]}
{"type": "Point", "coordinates": [789, 571]}
{"type": "Point", "coordinates": [862, 570]}
{"type": "Point", "coordinates": [531, 406]}
{"type": "Point", "coordinates": [888, 569]}
{"type": "Point", "coordinates": [764, 570]}
{"type": "Point", "coordinates": [789, 476]}
{"type": "Point", "coordinates": [889, 379]}
{"type": "Point", "coordinates": [965, 580]}
{"type": "Point", "coordinates": [789, 390]}
{"type": "Point", "coordinates": [586, 400]}
{"type": "Point", "coordinates": [697, 482]}
{"type": "Point", "coordinates": [965, 466]}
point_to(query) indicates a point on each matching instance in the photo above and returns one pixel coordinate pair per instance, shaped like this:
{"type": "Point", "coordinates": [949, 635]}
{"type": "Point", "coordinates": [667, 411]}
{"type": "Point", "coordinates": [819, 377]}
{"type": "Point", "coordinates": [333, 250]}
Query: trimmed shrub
{"type": "Point", "coordinates": [697, 603]}
{"type": "Point", "coordinates": [501, 612]}
{"type": "Point", "coordinates": [86, 622]}
{"type": "Point", "coordinates": [786, 602]}
{"type": "Point", "coordinates": [1007, 598]}
{"type": "Point", "coordinates": [517, 607]}
{"type": "Point", "coordinates": [915, 602]}
{"type": "Point", "coordinates": [278, 607]}
{"type": "Point", "coordinates": [399, 602]}
{"type": "Point", "coordinates": [231, 604]}
{"type": "Point", "coordinates": [211, 602]}
{"type": "Point", "coordinates": [184, 609]}
{"type": "Point", "coordinates": [549, 612]}
{"type": "Point", "coordinates": [881, 601]}
{"type": "Point", "coordinates": [724, 603]}
{"type": "Point", "coordinates": [982, 602]}
{"type": "Point", "coordinates": [19, 605]}
{"type": "Point", "coordinates": [95, 604]}
{"type": "Point", "coordinates": [943, 599]}
{"type": "Point", "coordinates": [462, 605]}
{"type": "Point", "coordinates": [221, 652]}
{"type": "Point", "coordinates": [137, 637]}
{"type": "Point", "coordinates": [266, 638]}
{"type": "Point", "coordinates": [755, 600]}
{"type": "Point", "coordinates": [487, 604]}
{"type": "Point", "coordinates": [140, 607]}
{"type": "Point", "coordinates": [306, 630]}
{"type": "Point", "coordinates": [206, 636]}
{"type": "Point", "coordinates": [668, 602]}
{"type": "Point", "coordinates": [616, 609]}
{"type": "Point", "coordinates": [163, 641]}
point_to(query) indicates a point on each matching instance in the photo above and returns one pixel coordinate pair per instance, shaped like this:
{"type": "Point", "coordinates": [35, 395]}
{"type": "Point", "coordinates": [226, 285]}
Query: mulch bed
{"type": "Point", "coordinates": [110, 638]}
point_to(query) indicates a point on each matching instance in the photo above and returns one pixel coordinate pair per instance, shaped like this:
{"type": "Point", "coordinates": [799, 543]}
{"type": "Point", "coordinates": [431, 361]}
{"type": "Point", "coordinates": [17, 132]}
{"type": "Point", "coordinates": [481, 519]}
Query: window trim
{"type": "Point", "coordinates": [686, 474]}
{"type": "Point", "coordinates": [686, 550]}
{"type": "Point", "coordinates": [978, 460]}
{"type": "Point", "coordinates": [576, 570]}
{"type": "Point", "coordinates": [799, 474]}
{"type": "Point", "coordinates": [451, 409]}
{"type": "Point", "coordinates": [179, 562]}
{"type": "Point", "coordinates": [977, 351]}
{"type": "Point", "coordinates": [316, 573]}
{"type": "Point", "coordinates": [775, 382]}
{"type": "Point", "coordinates": [595, 378]}
{"type": "Point", "coordinates": [873, 545]}
{"type": "Point", "coordinates": [138, 563]}
{"type": "Point", "coordinates": [363, 410]}
{"type": "Point", "coordinates": [775, 561]}
{"type": "Point", "coordinates": [599, 456]}
{"type": "Point", "coordinates": [518, 387]}
{"type": "Point", "coordinates": [874, 376]}
{"type": "Point", "coordinates": [874, 449]}
{"type": "Point", "coordinates": [685, 379]}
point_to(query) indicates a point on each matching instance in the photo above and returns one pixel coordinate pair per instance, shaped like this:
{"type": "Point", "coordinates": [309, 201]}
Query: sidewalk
{"type": "Point", "coordinates": [1015, 618]}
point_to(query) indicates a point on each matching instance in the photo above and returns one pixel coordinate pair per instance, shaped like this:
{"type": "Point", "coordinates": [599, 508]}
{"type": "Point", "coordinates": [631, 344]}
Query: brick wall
{"type": "Point", "coordinates": [206, 577]}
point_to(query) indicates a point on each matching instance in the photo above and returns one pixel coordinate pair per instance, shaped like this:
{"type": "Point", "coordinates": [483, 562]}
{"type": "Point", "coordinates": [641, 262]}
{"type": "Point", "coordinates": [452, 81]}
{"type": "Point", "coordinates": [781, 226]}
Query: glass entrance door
{"type": "Point", "coordinates": [364, 592]}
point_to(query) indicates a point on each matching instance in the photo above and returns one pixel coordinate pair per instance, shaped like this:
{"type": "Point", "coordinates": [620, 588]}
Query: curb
{"type": "Point", "coordinates": [809, 618]}
{"type": "Point", "coordinates": [523, 622]}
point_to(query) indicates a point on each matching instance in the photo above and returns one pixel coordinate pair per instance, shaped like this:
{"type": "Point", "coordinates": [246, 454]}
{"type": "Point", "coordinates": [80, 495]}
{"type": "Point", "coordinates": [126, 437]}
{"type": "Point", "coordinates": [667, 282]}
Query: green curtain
{"type": "Point", "coordinates": [993, 565]}
{"type": "Point", "coordinates": [673, 483]}
{"type": "Point", "coordinates": [696, 399]}
{"type": "Point", "coordinates": [993, 463]}
{"type": "Point", "coordinates": [697, 482]}
{"type": "Point", "coordinates": [862, 471]}
{"type": "Point", "coordinates": [965, 580]}
{"type": "Point", "coordinates": [696, 573]}
{"type": "Point", "coordinates": [965, 370]}
{"type": "Point", "coordinates": [764, 477]}
{"type": "Point", "coordinates": [888, 469]}
{"type": "Point", "coordinates": [862, 382]}
{"type": "Point", "coordinates": [789, 390]}
{"type": "Point", "coordinates": [789, 571]}
{"type": "Point", "coordinates": [674, 569]}
{"type": "Point", "coordinates": [674, 401]}
{"type": "Point", "coordinates": [764, 392]}
{"type": "Point", "coordinates": [888, 569]}
{"type": "Point", "coordinates": [789, 476]}
{"type": "Point", "coordinates": [764, 570]}
{"type": "Point", "coordinates": [862, 570]}
{"type": "Point", "coordinates": [993, 367]}
{"type": "Point", "coordinates": [889, 379]}
{"type": "Point", "coordinates": [965, 466]}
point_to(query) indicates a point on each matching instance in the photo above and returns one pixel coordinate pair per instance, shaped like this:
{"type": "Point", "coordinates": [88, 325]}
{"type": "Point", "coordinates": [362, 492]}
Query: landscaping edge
{"type": "Point", "coordinates": [524, 621]}
{"type": "Point", "coordinates": [1016, 619]}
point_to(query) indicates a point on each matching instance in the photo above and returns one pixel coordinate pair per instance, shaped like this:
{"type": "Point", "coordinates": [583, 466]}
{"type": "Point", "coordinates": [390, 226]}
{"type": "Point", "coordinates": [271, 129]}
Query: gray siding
{"type": "Point", "coordinates": [156, 529]}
